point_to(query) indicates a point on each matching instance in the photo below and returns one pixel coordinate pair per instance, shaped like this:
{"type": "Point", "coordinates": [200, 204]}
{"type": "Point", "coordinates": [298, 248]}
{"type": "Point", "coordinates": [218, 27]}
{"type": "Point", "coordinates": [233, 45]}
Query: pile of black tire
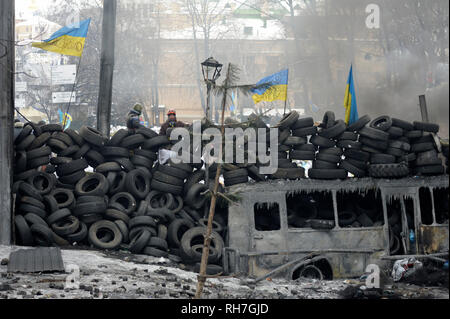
{"type": "Point", "coordinates": [129, 202]}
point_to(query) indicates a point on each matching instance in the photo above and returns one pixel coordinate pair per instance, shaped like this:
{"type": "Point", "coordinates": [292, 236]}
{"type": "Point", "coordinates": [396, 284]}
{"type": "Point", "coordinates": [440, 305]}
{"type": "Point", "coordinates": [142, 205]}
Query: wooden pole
{"type": "Point", "coordinates": [423, 108]}
{"type": "Point", "coordinates": [107, 67]}
{"type": "Point", "coordinates": [207, 244]}
{"type": "Point", "coordinates": [7, 59]}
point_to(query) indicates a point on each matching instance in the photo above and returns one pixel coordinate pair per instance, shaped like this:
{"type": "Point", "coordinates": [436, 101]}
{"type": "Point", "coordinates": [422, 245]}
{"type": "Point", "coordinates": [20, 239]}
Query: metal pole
{"type": "Point", "coordinates": [423, 108]}
{"type": "Point", "coordinates": [7, 59]}
{"type": "Point", "coordinates": [208, 112]}
{"type": "Point", "coordinates": [107, 67]}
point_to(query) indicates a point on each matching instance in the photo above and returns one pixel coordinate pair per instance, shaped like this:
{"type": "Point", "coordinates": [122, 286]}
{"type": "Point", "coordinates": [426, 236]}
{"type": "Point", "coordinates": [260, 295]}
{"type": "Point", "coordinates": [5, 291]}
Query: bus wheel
{"type": "Point", "coordinates": [311, 272]}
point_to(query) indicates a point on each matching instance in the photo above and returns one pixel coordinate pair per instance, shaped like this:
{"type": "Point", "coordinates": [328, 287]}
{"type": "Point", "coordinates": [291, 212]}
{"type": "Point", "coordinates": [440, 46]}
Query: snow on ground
{"type": "Point", "coordinates": [119, 275]}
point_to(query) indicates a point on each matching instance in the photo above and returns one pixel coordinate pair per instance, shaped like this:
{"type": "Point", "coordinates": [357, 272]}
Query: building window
{"type": "Point", "coordinates": [267, 216]}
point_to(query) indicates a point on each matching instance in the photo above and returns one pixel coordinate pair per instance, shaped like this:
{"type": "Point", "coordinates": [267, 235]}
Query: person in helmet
{"type": "Point", "coordinates": [134, 117]}
{"type": "Point", "coordinates": [171, 123]}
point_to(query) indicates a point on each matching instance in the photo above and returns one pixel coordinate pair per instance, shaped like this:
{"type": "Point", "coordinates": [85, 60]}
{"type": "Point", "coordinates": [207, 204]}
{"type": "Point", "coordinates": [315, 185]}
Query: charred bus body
{"type": "Point", "coordinates": [334, 229]}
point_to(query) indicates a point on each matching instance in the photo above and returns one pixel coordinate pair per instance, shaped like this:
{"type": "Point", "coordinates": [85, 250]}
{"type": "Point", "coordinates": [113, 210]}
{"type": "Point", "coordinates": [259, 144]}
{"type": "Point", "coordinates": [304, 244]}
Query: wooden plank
{"type": "Point", "coordinates": [107, 67]}
{"type": "Point", "coordinates": [7, 56]}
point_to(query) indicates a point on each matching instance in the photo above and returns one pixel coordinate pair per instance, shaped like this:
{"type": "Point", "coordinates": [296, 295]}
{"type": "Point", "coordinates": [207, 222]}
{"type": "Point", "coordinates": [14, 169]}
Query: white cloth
{"type": "Point", "coordinates": [166, 155]}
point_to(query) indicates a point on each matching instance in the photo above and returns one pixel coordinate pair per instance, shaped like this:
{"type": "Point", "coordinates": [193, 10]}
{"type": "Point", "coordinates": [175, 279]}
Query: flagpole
{"type": "Point", "coordinates": [65, 115]}
{"type": "Point", "coordinates": [287, 88]}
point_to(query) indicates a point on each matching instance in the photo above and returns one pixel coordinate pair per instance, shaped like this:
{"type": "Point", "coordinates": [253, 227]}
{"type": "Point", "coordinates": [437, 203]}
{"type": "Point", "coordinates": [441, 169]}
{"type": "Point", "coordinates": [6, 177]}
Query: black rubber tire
{"type": "Point", "coordinates": [374, 134]}
{"type": "Point", "coordinates": [328, 158]}
{"type": "Point", "coordinates": [388, 170]}
{"type": "Point", "coordinates": [113, 151]}
{"type": "Point", "coordinates": [80, 234]}
{"type": "Point", "coordinates": [321, 141]}
{"type": "Point", "coordinates": [94, 158]}
{"type": "Point", "coordinates": [40, 141]}
{"type": "Point", "coordinates": [235, 181]}
{"type": "Point", "coordinates": [357, 155]}
{"type": "Point", "coordinates": [193, 198]}
{"type": "Point", "coordinates": [306, 148]}
{"type": "Point", "coordinates": [63, 137]}
{"type": "Point", "coordinates": [422, 147]}
{"type": "Point", "coordinates": [407, 126]}
{"type": "Point", "coordinates": [75, 137]}
{"type": "Point", "coordinates": [289, 173]}
{"type": "Point", "coordinates": [365, 220]}
{"type": "Point", "coordinates": [30, 191]}
{"type": "Point", "coordinates": [20, 161]}
{"type": "Point", "coordinates": [117, 138]}
{"type": "Point", "coordinates": [72, 167]}
{"type": "Point", "coordinates": [198, 233]}
{"type": "Point", "coordinates": [133, 141]}
{"type": "Point", "coordinates": [288, 120]}
{"type": "Point", "coordinates": [84, 149]}
{"type": "Point", "coordinates": [395, 152]}
{"type": "Point", "coordinates": [324, 165]}
{"type": "Point", "coordinates": [123, 227]}
{"type": "Point", "coordinates": [97, 207]}
{"type": "Point", "coordinates": [58, 216]}
{"type": "Point", "coordinates": [346, 218]}
{"type": "Point", "coordinates": [107, 167]}
{"type": "Point", "coordinates": [379, 145]}
{"type": "Point", "coordinates": [25, 144]}
{"type": "Point", "coordinates": [51, 128]}
{"type": "Point", "coordinates": [332, 151]}
{"type": "Point", "coordinates": [114, 214]}
{"type": "Point", "coordinates": [57, 145]}
{"type": "Point", "coordinates": [129, 205]}
{"type": "Point", "coordinates": [141, 161]}
{"type": "Point", "coordinates": [44, 187]}
{"type": "Point", "coordinates": [67, 226]}
{"type": "Point", "coordinates": [302, 123]}
{"type": "Point", "coordinates": [327, 174]}
{"type": "Point", "coordinates": [124, 162]}
{"type": "Point", "coordinates": [357, 172]}
{"type": "Point", "coordinates": [302, 155]}
{"type": "Point", "coordinates": [26, 208]}
{"type": "Point", "coordinates": [164, 187]}
{"type": "Point", "coordinates": [400, 145]}
{"type": "Point", "coordinates": [346, 144]}
{"type": "Point", "coordinates": [358, 125]}
{"type": "Point", "coordinates": [32, 201]}
{"type": "Point", "coordinates": [211, 270]}
{"type": "Point", "coordinates": [92, 136]}
{"type": "Point", "coordinates": [176, 231]}
{"type": "Point", "coordinates": [295, 141]}
{"type": "Point", "coordinates": [155, 143]}
{"type": "Point", "coordinates": [99, 181]}
{"type": "Point", "coordinates": [158, 243]}
{"type": "Point", "coordinates": [395, 132]}
{"type": "Point", "coordinates": [64, 197]}
{"type": "Point", "coordinates": [426, 127]}
{"type": "Point", "coordinates": [25, 131]}
{"type": "Point", "coordinates": [23, 230]}
{"type": "Point", "coordinates": [349, 136]}
{"type": "Point", "coordinates": [43, 235]}
{"type": "Point", "coordinates": [138, 184]}
{"type": "Point", "coordinates": [74, 178]}
{"type": "Point", "coordinates": [322, 224]}
{"type": "Point", "coordinates": [218, 228]}
{"type": "Point", "coordinates": [174, 171]}
{"type": "Point", "coordinates": [116, 184]}
{"type": "Point", "coordinates": [334, 131]}
{"type": "Point", "coordinates": [253, 173]}
{"type": "Point", "coordinates": [304, 132]}
{"type": "Point", "coordinates": [38, 162]}
{"type": "Point", "coordinates": [414, 134]}
{"type": "Point", "coordinates": [110, 226]}
{"type": "Point", "coordinates": [168, 179]}
{"type": "Point", "coordinates": [382, 159]}
{"type": "Point", "coordinates": [382, 123]}
{"type": "Point", "coordinates": [142, 221]}
{"type": "Point", "coordinates": [329, 119]}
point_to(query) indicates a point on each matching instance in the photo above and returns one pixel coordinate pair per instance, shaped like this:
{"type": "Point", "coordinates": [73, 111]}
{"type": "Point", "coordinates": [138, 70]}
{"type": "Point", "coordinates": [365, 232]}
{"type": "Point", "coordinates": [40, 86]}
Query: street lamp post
{"type": "Point", "coordinates": [211, 69]}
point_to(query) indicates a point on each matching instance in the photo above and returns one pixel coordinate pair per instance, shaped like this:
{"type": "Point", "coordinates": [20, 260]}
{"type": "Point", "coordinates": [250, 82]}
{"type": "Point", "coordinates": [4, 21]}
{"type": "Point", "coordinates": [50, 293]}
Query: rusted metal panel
{"type": "Point", "coordinates": [36, 260]}
{"type": "Point", "coordinates": [434, 238]}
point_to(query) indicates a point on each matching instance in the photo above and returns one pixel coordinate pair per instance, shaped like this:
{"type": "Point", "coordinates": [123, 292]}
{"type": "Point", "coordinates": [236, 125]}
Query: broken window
{"type": "Point", "coordinates": [441, 205]}
{"type": "Point", "coordinates": [426, 206]}
{"type": "Point", "coordinates": [360, 209]}
{"type": "Point", "coordinates": [300, 208]}
{"type": "Point", "coordinates": [267, 216]}
{"type": "Point", "coordinates": [397, 237]}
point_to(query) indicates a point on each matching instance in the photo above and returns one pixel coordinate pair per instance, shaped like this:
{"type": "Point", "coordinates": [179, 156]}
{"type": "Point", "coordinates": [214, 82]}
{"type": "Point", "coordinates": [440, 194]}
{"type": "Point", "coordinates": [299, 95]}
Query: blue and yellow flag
{"type": "Point", "coordinates": [275, 90]}
{"type": "Point", "coordinates": [68, 40]}
{"type": "Point", "coordinates": [351, 113]}
{"type": "Point", "coordinates": [65, 119]}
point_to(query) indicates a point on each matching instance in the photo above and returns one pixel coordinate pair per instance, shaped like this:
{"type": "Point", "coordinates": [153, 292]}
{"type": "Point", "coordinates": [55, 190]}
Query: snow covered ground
{"type": "Point", "coordinates": [123, 276]}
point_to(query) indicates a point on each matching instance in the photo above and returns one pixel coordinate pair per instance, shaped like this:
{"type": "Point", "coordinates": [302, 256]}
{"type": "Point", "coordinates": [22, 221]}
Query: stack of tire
{"type": "Point", "coordinates": [354, 162]}
{"type": "Point", "coordinates": [328, 157]}
{"type": "Point", "coordinates": [424, 146]}
{"type": "Point", "coordinates": [292, 135]}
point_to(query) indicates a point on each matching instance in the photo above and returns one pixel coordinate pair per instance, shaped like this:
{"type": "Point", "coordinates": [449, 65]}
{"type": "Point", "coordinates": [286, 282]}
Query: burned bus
{"type": "Point", "coordinates": [334, 229]}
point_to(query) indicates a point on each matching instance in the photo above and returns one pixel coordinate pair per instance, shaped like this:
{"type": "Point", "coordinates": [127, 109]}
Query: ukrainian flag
{"type": "Point", "coordinates": [351, 113]}
{"type": "Point", "coordinates": [68, 40]}
{"type": "Point", "coordinates": [65, 119]}
{"type": "Point", "coordinates": [276, 88]}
